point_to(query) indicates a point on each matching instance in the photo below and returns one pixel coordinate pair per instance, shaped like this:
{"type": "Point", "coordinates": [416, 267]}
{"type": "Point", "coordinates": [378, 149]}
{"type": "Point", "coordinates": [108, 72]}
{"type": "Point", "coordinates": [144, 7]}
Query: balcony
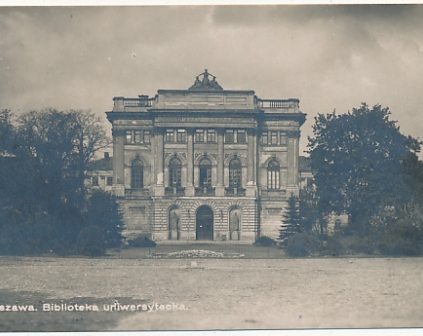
{"type": "Point", "coordinates": [175, 191]}
{"type": "Point", "coordinates": [204, 191]}
{"type": "Point", "coordinates": [238, 191]}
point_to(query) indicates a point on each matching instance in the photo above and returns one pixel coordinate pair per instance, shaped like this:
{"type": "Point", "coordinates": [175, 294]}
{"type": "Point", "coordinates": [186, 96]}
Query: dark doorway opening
{"type": "Point", "coordinates": [204, 223]}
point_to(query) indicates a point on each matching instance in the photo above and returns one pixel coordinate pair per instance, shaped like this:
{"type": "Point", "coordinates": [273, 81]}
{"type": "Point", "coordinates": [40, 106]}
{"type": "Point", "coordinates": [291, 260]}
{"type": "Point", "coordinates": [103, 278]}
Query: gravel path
{"type": "Point", "coordinates": [235, 294]}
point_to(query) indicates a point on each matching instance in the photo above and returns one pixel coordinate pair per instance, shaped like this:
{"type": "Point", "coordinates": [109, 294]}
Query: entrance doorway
{"type": "Point", "coordinates": [204, 223]}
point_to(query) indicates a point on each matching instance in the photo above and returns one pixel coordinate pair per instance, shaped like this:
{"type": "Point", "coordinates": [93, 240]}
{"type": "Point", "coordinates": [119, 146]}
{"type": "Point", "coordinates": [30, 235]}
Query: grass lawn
{"type": "Point", "coordinates": [228, 293]}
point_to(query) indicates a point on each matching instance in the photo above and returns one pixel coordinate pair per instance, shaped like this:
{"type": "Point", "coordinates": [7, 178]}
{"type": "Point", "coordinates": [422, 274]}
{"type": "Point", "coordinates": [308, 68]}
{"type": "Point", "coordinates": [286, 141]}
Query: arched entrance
{"type": "Point", "coordinates": [204, 223]}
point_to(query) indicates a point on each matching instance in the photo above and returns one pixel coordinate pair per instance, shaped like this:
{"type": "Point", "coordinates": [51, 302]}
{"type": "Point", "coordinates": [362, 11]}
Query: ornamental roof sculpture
{"type": "Point", "coordinates": [205, 83]}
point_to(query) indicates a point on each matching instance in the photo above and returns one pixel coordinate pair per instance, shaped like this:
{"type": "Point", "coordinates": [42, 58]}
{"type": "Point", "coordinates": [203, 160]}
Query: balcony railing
{"type": "Point", "coordinates": [235, 192]}
{"type": "Point", "coordinates": [204, 191]}
{"type": "Point", "coordinates": [138, 102]}
{"type": "Point", "coordinates": [278, 103]}
{"type": "Point", "coordinates": [175, 191]}
{"type": "Point", "coordinates": [121, 103]}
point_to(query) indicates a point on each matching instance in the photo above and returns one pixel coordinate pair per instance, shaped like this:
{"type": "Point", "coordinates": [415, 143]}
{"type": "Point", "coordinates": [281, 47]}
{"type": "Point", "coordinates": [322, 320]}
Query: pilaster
{"type": "Point", "coordinates": [189, 190]}
{"type": "Point", "coordinates": [293, 153]}
{"type": "Point", "coordinates": [118, 156]}
{"type": "Point", "coordinates": [251, 181]}
{"type": "Point", "coordinates": [220, 188]}
{"type": "Point", "coordinates": [159, 152]}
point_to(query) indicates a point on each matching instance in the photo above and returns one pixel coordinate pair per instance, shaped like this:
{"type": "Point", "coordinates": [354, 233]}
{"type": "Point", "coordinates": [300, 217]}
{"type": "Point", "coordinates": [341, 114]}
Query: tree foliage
{"type": "Point", "coordinates": [44, 203]}
{"type": "Point", "coordinates": [103, 212]}
{"type": "Point", "coordinates": [362, 163]}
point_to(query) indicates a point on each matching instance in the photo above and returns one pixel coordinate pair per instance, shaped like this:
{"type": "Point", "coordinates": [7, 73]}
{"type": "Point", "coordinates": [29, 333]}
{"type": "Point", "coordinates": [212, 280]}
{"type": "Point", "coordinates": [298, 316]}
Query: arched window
{"type": "Point", "coordinates": [273, 171]}
{"type": "Point", "coordinates": [175, 169]}
{"type": "Point", "coordinates": [137, 174]}
{"type": "Point", "coordinates": [235, 176]}
{"type": "Point", "coordinates": [205, 173]}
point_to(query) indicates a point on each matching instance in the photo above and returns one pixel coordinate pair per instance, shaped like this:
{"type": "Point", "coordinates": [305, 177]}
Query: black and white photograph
{"type": "Point", "coordinates": [211, 167]}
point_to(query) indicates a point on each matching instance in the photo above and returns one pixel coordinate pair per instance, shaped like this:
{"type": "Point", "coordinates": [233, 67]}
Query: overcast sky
{"type": "Point", "coordinates": [329, 57]}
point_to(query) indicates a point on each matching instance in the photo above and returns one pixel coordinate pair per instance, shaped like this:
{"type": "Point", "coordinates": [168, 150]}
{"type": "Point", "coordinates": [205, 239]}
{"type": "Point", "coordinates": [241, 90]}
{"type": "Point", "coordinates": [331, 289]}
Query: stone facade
{"type": "Point", "coordinates": [204, 163]}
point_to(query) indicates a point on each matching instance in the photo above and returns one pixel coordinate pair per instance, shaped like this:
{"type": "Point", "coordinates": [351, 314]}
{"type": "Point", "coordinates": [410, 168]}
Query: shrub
{"type": "Point", "coordinates": [103, 211]}
{"type": "Point", "coordinates": [91, 242]}
{"type": "Point", "coordinates": [141, 242]}
{"type": "Point", "coordinates": [264, 241]}
{"type": "Point", "coordinates": [346, 244]}
{"type": "Point", "coordinates": [402, 239]}
{"type": "Point", "coordinates": [302, 245]}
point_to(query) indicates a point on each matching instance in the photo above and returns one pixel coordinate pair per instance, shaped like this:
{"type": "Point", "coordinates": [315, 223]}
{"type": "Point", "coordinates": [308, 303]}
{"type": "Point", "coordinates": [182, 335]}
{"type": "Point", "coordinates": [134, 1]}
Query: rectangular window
{"type": "Point", "coordinates": [128, 136]}
{"type": "Point", "coordinates": [109, 181]}
{"type": "Point", "coordinates": [199, 136]}
{"type": "Point", "coordinates": [181, 136]}
{"type": "Point", "coordinates": [211, 136]}
{"type": "Point", "coordinates": [170, 136]}
{"type": "Point", "coordinates": [229, 136]}
{"type": "Point", "coordinates": [283, 138]}
{"type": "Point", "coordinates": [264, 138]}
{"type": "Point", "coordinates": [137, 136]}
{"type": "Point", "coordinates": [241, 136]}
{"type": "Point", "coordinates": [274, 138]}
{"type": "Point", "coordinates": [147, 137]}
{"type": "Point", "coordinates": [95, 180]}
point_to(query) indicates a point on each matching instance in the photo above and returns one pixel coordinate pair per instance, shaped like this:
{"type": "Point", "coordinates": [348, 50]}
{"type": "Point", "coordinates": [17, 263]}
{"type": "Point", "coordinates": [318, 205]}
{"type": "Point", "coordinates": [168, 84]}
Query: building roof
{"type": "Point", "coordinates": [105, 163]}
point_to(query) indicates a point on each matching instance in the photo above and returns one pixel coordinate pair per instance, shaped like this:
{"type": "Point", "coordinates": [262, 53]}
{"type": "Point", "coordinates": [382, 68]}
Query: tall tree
{"type": "Point", "coordinates": [359, 159]}
{"type": "Point", "coordinates": [290, 219]}
{"type": "Point", "coordinates": [48, 197]}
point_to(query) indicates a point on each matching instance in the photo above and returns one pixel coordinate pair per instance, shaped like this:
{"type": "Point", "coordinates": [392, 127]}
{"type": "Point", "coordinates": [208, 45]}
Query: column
{"type": "Point", "coordinates": [159, 185]}
{"type": "Point", "coordinates": [220, 187]}
{"type": "Point", "coordinates": [189, 190]}
{"type": "Point", "coordinates": [251, 183]}
{"type": "Point", "coordinates": [118, 162]}
{"type": "Point", "coordinates": [293, 153]}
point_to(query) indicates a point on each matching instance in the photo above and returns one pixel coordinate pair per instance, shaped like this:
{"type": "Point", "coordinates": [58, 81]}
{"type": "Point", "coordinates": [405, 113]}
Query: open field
{"type": "Point", "coordinates": [212, 293]}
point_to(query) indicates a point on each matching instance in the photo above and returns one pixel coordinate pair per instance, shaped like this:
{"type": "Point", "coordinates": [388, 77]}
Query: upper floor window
{"type": "Point", "coordinates": [146, 138]}
{"type": "Point", "coordinates": [273, 173]}
{"type": "Point", "coordinates": [170, 135]}
{"type": "Point", "coordinates": [175, 172]}
{"type": "Point", "coordinates": [128, 136]}
{"type": "Point", "coordinates": [283, 138]}
{"type": "Point", "coordinates": [229, 136]}
{"type": "Point", "coordinates": [137, 174]}
{"type": "Point", "coordinates": [273, 138]}
{"type": "Point", "coordinates": [235, 136]}
{"type": "Point", "coordinates": [95, 180]}
{"type": "Point", "coordinates": [137, 136]}
{"type": "Point", "coordinates": [109, 180]}
{"type": "Point", "coordinates": [235, 173]}
{"type": "Point", "coordinates": [205, 135]}
{"type": "Point", "coordinates": [264, 138]}
{"type": "Point", "coordinates": [241, 137]}
{"type": "Point", "coordinates": [181, 135]}
{"type": "Point", "coordinates": [205, 173]}
{"type": "Point", "coordinates": [199, 135]}
{"type": "Point", "coordinates": [211, 136]}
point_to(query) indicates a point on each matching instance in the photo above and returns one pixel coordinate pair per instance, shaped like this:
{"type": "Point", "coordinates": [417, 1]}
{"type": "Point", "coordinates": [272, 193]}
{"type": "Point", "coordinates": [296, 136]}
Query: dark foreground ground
{"type": "Point", "coordinates": [193, 294]}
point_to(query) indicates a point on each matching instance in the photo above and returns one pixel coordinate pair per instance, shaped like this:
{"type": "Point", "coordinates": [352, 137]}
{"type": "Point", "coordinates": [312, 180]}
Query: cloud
{"type": "Point", "coordinates": [327, 56]}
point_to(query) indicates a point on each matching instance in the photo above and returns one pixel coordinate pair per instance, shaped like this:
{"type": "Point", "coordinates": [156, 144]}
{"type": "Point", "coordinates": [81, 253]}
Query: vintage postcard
{"type": "Point", "coordinates": [202, 168]}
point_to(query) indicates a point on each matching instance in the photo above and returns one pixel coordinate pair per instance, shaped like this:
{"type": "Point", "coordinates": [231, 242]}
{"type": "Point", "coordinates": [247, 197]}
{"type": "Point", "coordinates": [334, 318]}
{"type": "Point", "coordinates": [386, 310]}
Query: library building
{"type": "Point", "coordinates": [204, 163]}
